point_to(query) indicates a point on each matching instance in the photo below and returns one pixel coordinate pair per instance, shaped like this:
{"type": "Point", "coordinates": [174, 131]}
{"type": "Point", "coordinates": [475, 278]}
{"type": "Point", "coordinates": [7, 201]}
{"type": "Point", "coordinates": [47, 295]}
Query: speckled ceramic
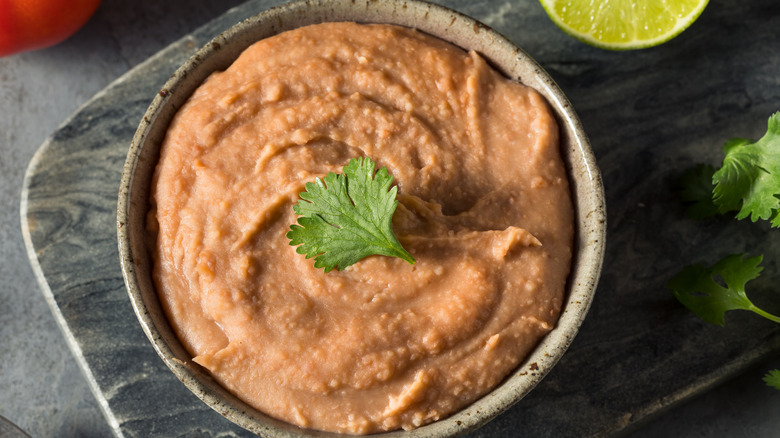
{"type": "Point", "coordinates": [436, 20]}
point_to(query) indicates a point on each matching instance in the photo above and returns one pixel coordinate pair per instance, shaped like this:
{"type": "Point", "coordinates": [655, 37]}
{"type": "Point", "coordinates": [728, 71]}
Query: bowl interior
{"type": "Point", "coordinates": [585, 181]}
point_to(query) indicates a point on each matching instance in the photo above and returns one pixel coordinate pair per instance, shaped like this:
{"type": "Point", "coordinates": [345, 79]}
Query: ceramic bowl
{"type": "Point", "coordinates": [446, 24]}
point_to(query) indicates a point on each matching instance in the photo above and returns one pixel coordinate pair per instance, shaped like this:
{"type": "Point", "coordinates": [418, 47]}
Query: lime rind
{"type": "Point", "coordinates": [599, 8]}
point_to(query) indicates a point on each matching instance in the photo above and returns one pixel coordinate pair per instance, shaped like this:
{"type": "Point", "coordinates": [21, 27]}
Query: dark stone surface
{"type": "Point", "coordinates": [650, 114]}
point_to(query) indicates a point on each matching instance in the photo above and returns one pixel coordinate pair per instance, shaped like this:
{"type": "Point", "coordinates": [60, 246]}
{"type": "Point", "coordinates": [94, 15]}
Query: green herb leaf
{"type": "Point", "coordinates": [773, 379]}
{"type": "Point", "coordinates": [347, 217]}
{"type": "Point", "coordinates": [696, 191]}
{"type": "Point", "coordinates": [696, 288]}
{"type": "Point", "coordinates": [749, 180]}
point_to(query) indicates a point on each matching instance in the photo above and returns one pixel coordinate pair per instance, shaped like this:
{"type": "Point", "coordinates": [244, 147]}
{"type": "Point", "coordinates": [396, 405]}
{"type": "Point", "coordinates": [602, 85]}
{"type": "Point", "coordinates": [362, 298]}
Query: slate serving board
{"type": "Point", "coordinates": [650, 114]}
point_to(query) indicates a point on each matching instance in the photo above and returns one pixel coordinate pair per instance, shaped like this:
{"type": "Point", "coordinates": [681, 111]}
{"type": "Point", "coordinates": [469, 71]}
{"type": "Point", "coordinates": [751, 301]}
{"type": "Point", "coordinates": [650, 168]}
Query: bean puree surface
{"type": "Point", "coordinates": [484, 207]}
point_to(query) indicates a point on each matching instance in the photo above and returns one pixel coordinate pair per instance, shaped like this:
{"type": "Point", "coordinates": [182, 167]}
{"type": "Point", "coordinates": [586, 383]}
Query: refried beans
{"type": "Point", "coordinates": [485, 209]}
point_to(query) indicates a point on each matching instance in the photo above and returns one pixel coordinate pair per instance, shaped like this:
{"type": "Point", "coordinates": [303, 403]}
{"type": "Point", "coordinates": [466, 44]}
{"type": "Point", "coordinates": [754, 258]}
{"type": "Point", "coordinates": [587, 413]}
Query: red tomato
{"type": "Point", "coordinates": [35, 24]}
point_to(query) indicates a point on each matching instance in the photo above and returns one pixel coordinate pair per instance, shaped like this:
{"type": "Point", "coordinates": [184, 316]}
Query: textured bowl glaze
{"type": "Point", "coordinates": [585, 180]}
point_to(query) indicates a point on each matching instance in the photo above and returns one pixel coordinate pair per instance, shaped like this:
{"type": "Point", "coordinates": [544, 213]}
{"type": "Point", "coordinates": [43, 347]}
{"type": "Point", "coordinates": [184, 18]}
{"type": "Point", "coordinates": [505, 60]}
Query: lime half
{"type": "Point", "coordinates": [623, 24]}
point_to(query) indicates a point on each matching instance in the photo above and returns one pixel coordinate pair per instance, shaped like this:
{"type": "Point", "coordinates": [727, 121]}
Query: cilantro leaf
{"type": "Point", "coordinates": [347, 217]}
{"type": "Point", "coordinates": [748, 182]}
{"type": "Point", "coordinates": [697, 289]}
{"type": "Point", "coordinates": [749, 179]}
{"type": "Point", "coordinates": [772, 379]}
{"type": "Point", "coordinates": [696, 191]}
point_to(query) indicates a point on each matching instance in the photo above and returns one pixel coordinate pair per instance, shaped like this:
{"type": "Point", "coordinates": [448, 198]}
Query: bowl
{"type": "Point", "coordinates": [449, 25]}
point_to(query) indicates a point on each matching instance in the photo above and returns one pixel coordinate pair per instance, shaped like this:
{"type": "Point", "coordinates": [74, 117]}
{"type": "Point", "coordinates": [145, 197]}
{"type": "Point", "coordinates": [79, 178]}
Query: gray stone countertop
{"type": "Point", "coordinates": [42, 389]}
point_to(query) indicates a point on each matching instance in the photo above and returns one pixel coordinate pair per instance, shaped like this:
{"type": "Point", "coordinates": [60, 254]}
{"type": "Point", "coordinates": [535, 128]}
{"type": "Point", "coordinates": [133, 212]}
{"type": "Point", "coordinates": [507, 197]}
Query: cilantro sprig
{"type": "Point", "coordinates": [698, 289]}
{"type": "Point", "coordinates": [748, 182]}
{"type": "Point", "coordinates": [347, 217]}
